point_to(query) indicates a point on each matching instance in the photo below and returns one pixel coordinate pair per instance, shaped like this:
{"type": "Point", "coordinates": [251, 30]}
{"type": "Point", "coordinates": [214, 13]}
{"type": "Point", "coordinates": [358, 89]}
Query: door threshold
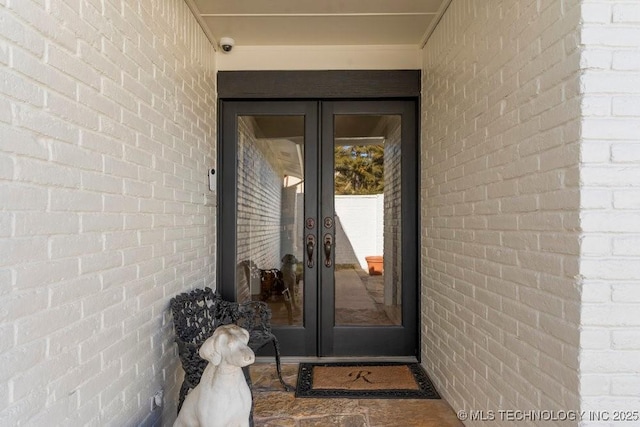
{"type": "Point", "coordinates": [340, 359]}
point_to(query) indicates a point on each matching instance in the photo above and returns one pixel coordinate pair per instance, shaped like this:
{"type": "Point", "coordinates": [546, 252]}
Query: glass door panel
{"type": "Point", "coordinates": [268, 191]}
{"type": "Point", "coordinates": [270, 215]}
{"type": "Point", "coordinates": [368, 218]}
{"type": "Point", "coordinates": [368, 286]}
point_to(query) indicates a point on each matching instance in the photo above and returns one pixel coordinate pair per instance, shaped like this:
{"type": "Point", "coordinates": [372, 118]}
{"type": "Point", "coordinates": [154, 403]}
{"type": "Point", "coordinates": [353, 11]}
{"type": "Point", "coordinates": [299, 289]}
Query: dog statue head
{"type": "Point", "coordinates": [289, 259]}
{"type": "Point", "coordinates": [228, 344]}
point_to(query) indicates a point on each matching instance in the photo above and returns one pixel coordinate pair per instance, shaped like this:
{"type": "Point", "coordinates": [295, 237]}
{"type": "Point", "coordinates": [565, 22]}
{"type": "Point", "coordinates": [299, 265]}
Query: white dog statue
{"type": "Point", "coordinates": [222, 398]}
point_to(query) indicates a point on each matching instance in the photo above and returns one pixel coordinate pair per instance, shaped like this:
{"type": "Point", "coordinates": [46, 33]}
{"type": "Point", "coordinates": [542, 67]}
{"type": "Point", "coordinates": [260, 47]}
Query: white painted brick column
{"type": "Point", "coordinates": [610, 211]}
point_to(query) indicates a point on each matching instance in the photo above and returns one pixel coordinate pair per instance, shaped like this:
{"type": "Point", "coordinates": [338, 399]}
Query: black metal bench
{"type": "Point", "coordinates": [198, 313]}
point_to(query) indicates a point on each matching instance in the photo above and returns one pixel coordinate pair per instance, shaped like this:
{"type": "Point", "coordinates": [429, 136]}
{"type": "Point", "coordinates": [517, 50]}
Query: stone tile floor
{"type": "Point", "coordinates": [276, 408]}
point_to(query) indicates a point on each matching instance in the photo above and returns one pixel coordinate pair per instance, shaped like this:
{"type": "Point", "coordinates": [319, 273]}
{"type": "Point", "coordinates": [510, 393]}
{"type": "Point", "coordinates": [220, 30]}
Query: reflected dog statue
{"type": "Point", "coordinates": [288, 270]}
{"type": "Point", "coordinates": [272, 288]}
{"type": "Point", "coordinates": [222, 398]}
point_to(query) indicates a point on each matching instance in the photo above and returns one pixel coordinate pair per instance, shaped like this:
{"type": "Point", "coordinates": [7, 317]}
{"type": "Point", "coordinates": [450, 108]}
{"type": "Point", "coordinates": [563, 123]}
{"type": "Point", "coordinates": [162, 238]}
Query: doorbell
{"type": "Point", "coordinates": [212, 179]}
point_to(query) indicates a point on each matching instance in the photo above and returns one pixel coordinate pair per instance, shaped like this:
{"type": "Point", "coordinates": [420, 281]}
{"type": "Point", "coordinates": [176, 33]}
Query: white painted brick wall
{"type": "Point", "coordinates": [259, 210]}
{"type": "Point", "coordinates": [393, 212]}
{"type": "Point", "coordinates": [610, 207]}
{"type": "Point", "coordinates": [107, 129]}
{"type": "Point", "coordinates": [260, 197]}
{"type": "Point", "coordinates": [500, 201]}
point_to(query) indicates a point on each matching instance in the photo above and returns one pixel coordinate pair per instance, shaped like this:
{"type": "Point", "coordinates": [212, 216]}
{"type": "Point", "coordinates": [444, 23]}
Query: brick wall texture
{"type": "Point", "coordinates": [393, 213]}
{"type": "Point", "coordinates": [610, 207]}
{"type": "Point", "coordinates": [500, 205]}
{"type": "Point", "coordinates": [107, 128]}
{"type": "Point", "coordinates": [259, 206]}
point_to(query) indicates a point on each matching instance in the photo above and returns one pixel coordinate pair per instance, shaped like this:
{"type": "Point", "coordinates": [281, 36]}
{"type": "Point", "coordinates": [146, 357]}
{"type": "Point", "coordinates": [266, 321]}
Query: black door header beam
{"type": "Point", "coordinates": [328, 84]}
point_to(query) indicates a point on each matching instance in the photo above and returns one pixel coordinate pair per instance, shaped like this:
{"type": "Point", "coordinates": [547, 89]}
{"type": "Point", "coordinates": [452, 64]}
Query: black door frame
{"type": "Point", "coordinates": [296, 339]}
{"type": "Point", "coordinates": [401, 85]}
{"type": "Point", "coordinates": [399, 340]}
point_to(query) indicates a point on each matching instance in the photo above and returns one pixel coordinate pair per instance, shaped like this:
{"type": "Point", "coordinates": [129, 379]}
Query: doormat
{"type": "Point", "coordinates": [376, 380]}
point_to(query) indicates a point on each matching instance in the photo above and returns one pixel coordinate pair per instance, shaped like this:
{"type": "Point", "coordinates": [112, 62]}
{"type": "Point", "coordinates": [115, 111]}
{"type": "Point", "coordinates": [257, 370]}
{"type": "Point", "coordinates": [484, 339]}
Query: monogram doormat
{"type": "Point", "coordinates": [377, 380]}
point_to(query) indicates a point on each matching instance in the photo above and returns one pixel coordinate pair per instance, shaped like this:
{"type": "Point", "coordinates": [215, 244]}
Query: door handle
{"type": "Point", "coordinates": [328, 240]}
{"type": "Point", "coordinates": [311, 243]}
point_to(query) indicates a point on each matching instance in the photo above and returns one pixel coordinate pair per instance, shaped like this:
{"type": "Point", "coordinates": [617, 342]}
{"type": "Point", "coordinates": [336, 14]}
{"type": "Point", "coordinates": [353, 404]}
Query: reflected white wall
{"type": "Point", "coordinates": [362, 219]}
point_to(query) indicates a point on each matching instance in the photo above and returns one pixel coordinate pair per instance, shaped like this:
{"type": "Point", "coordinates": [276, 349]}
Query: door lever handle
{"type": "Point", "coordinates": [311, 243]}
{"type": "Point", "coordinates": [328, 241]}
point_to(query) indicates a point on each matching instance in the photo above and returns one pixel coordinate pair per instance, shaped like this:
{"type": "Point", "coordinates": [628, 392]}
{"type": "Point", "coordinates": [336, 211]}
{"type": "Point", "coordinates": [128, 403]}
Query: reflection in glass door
{"type": "Point", "coordinates": [368, 217]}
{"type": "Point", "coordinates": [270, 215]}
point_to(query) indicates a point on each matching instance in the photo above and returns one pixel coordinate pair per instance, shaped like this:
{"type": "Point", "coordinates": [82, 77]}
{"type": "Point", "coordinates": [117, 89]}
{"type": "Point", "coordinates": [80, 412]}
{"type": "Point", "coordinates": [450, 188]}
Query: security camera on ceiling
{"type": "Point", "coordinates": [227, 43]}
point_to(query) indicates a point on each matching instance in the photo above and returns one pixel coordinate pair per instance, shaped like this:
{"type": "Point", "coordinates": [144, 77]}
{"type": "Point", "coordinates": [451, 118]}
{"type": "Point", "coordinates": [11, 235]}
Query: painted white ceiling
{"type": "Point", "coordinates": [319, 22]}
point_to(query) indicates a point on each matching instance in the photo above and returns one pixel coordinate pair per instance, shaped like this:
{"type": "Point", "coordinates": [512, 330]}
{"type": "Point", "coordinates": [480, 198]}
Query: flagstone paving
{"type": "Point", "coordinates": [273, 407]}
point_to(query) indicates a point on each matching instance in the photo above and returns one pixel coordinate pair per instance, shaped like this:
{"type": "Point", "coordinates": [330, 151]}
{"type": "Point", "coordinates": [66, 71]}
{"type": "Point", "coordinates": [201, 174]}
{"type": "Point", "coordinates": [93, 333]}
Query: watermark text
{"type": "Point", "coordinates": [548, 415]}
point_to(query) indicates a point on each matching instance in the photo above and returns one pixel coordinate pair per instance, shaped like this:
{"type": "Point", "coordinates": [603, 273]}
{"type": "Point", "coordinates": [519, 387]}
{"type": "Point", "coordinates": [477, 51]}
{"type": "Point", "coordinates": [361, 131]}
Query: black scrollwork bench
{"type": "Point", "coordinates": [198, 313]}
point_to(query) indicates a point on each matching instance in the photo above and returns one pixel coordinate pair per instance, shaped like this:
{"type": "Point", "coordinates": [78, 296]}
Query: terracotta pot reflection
{"type": "Point", "coordinates": [375, 265]}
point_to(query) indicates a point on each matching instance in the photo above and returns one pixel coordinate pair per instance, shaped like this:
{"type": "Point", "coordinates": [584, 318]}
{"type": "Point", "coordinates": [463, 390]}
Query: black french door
{"type": "Point", "coordinates": [318, 218]}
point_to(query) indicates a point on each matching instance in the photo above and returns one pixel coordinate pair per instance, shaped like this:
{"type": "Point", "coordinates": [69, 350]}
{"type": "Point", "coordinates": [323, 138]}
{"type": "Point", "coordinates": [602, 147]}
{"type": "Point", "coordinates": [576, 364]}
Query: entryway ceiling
{"type": "Point", "coordinates": [319, 22]}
